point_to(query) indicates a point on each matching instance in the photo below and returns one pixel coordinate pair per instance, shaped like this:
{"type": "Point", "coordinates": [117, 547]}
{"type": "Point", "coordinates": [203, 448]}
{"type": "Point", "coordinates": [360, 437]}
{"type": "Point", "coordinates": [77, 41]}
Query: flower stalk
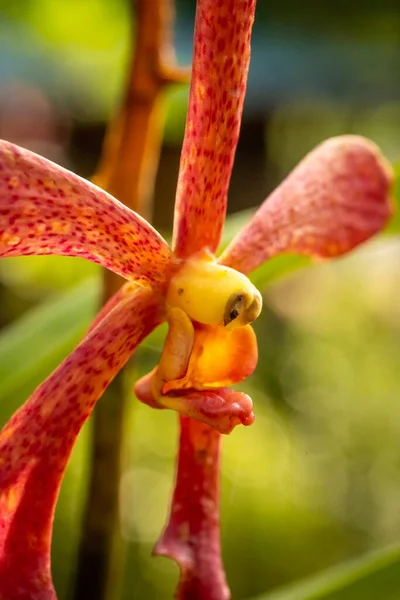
{"type": "Point", "coordinates": [192, 535]}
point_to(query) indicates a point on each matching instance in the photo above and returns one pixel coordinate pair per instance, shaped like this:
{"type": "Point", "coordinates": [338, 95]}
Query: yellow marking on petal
{"type": "Point", "coordinates": [61, 227]}
{"type": "Point", "coordinates": [213, 294]}
{"type": "Point", "coordinates": [200, 91]}
{"type": "Point", "coordinates": [13, 182]}
{"type": "Point", "coordinates": [10, 239]}
{"type": "Point", "coordinates": [7, 432]}
{"type": "Point", "coordinates": [11, 497]}
{"type": "Point", "coordinates": [29, 209]}
{"type": "Point", "coordinates": [49, 184]}
{"type": "Point", "coordinates": [93, 234]}
{"type": "Point", "coordinates": [128, 232]}
{"type": "Point", "coordinates": [192, 153]}
{"type": "Point", "coordinates": [40, 228]}
{"type": "Point", "coordinates": [88, 211]}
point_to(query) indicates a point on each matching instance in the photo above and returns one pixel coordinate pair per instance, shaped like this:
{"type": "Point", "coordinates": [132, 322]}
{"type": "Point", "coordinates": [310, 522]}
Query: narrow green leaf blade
{"type": "Point", "coordinates": [34, 345]}
{"type": "Point", "coordinates": [394, 224]}
{"type": "Point", "coordinates": [375, 576]}
{"type": "Point", "coordinates": [31, 347]}
{"type": "Point", "coordinates": [272, 269]}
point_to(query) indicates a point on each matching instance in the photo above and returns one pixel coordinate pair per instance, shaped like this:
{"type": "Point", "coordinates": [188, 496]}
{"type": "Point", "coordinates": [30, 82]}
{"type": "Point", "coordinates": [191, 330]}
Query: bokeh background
{"type": "Point", "coordinates": [316, 480]}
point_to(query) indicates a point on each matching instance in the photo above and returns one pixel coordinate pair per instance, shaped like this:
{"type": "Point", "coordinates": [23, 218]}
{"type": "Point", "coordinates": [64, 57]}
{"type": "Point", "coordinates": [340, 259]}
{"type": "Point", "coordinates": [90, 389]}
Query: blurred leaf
{"type": "Point", "coordinates": [32, 346]}
{"type": "Point", "coordinates": [175, 113]}
{"type": "Point", "coordinates": [278, 267]}
{"type": "Point", "coordinates": [35, 276]}
{"type": "Point", "coordinates": [375, 576]}
{"type": "Point", "coordinates": [272, 269]}
{"type": "Point", "coordinates": [394, 225]}
{"type": "Point", "coordinates": [87, 42]}
{"type": "Point", "coordinates": [233, 224]}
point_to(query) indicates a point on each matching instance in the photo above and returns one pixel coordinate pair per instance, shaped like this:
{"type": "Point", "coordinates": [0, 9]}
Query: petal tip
{"type": "Point", "coordinates": [337, 198]}
{"type": "Point", "coordinates": [363, 147]}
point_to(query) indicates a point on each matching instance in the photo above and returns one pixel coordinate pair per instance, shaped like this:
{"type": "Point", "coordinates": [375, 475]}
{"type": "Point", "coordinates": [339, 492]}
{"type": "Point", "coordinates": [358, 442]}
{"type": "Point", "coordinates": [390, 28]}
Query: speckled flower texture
{"type": "Point", "coordinates": [335, 199]}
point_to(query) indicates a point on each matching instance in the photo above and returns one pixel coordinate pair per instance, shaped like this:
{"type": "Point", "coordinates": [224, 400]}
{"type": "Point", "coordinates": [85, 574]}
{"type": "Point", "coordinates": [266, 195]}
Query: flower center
{"type": "Point", "coordinates": [213, 294]}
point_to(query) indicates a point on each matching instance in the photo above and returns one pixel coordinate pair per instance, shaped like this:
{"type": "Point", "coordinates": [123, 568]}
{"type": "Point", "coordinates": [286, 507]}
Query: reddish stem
{"type": "Point", "coordinates": [192, 536]}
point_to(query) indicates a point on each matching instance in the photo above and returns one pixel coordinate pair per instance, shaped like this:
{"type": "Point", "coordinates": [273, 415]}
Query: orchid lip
{"type": "Point", "coordinates": [221, 407]}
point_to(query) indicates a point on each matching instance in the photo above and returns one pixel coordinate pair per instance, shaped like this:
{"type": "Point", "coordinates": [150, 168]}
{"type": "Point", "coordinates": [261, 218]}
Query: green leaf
{"type": "Point", "coordinates": [34, 345]}
{"type": "Point", "coordinates": [277, 267]}
{"type": "Point", "coordinates": [375, 576]}
{"type": "Point", "coordinates": [233, 224]}
{"type": "Point", "coordinates": [272, 269]}
{"type": "Point", "coordinates": [394, 225]}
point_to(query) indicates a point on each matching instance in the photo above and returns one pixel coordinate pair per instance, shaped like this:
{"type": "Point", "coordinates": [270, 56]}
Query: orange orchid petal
{"type": "Point", "coordinates": [219, 358]}
{"type": "Point", "coordinates": [335, 199]}
{"type": "Point", "coordinates": [36, 443]}
{"type": "Point", "coordinates": [45, 209]}
{"type": "Point", "coordinates": [220, 64]}
{"type": "Point", "coordinates": [220, 408]}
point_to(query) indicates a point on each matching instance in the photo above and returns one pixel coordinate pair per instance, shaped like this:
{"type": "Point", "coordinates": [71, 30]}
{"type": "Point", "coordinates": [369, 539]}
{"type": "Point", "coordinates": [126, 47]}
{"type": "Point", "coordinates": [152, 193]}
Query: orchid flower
{"type": "Point", "coordinates": [335, 199]}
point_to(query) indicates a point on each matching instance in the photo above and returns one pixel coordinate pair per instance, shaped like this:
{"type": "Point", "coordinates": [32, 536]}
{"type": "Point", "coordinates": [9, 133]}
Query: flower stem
{"type": "Point", "coordinates": [127, 169]}
{"type": "Point", "coordinates": [192, 534]}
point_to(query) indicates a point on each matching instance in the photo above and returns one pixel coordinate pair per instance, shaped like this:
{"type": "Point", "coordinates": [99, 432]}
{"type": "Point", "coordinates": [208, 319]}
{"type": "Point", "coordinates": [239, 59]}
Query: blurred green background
{"type": "Point", "coordinates": [316, 480]}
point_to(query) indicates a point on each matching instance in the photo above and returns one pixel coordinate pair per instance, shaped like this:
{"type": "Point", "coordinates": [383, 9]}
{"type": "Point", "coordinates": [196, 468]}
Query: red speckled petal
{"type": "Point", "coordinates": [220, 64]}
{"type": "Point", "coordinates": [335, 199]}
{"type": "Point", "coordinates": [36, 443]}
{"type": "Point", "coordinates": [192, 536]}
{"type": "Point", "coordinates": [45, 209]}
